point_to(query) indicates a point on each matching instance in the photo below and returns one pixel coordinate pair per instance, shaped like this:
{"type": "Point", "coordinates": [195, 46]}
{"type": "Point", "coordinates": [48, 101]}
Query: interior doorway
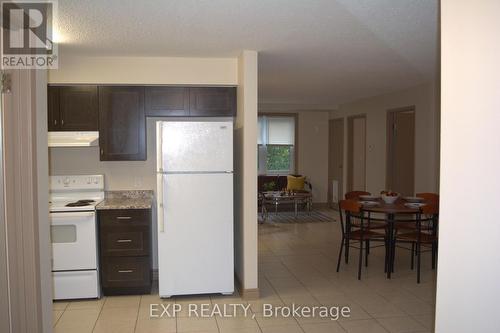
{"type": "Point", "coordinates": [335, 161]}
{"type": "Point", "coordinates": [401, 150]}
{"type": "Point", "coordinates": [356, 136]}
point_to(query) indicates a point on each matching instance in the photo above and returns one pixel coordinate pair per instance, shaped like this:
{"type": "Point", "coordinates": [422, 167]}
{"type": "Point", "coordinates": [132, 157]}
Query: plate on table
{"type": "Point", "coordinates": [413, 199]}
{"type": "Point", "coordinates": [414, 204]}
{"type": "Point", "coordinates": [368, 197]}
{"type": "Point", "coordinates": [368, 203]}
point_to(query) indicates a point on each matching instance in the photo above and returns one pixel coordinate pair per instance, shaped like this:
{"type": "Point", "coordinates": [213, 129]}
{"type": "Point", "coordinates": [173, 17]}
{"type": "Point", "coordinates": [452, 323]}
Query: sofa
{"type": "Point", "coordinates": [280, 182]}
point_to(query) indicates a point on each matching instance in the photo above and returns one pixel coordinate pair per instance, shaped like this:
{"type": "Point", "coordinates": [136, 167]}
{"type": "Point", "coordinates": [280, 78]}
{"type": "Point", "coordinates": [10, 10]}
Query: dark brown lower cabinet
{"type": "Point", "coordinates": [125, 251]}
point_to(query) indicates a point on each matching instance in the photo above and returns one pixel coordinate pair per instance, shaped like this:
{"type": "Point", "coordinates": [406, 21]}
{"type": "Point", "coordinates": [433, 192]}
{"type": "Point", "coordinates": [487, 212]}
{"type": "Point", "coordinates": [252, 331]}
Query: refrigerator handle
{"type": "Point", "coordinates": [159, 175]}
{"type": "Point", "coordinates": [161, 217]}
{"type": "Point", "coordinates": [159, 147]}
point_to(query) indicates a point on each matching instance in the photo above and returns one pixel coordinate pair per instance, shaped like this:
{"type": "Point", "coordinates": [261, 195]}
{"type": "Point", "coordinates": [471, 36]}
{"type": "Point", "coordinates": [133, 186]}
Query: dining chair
{"type": "Point", "coordinates": [347, 210]}
{"type": "Point", "coordinates": [355, 195]}
{"type": "Point", "coordinates": [420, 236]}
{"type": "Point", "coordinates": [429, 197]}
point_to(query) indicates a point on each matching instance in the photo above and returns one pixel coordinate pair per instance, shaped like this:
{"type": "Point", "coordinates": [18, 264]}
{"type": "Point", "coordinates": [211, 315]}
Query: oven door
{"type": "Point", "coordinates": [74, 244]}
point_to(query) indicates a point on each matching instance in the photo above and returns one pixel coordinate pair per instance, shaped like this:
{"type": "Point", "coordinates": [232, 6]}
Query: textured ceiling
{"type": "Point", "coordinates": [312, 53]}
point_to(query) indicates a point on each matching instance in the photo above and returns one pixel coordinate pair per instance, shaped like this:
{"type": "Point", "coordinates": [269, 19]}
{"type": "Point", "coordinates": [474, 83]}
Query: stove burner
{"type": "Point", "coordinates": [80, 203]}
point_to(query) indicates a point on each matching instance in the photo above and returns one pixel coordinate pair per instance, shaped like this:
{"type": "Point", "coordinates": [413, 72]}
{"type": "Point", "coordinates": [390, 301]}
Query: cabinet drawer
{"type": "Point", "coordinates": [125, 272]}
{"type": "Point", "coordinates": [125, 241]}
{"type": "Point", "coordinates": [124, 217]}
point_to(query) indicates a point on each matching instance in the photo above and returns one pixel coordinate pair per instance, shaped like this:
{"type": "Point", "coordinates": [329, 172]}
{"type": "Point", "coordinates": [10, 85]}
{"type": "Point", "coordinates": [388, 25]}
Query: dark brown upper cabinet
{"type": "Point", "coordinates": [212, 102]}
{"type": "Point", "coordinates": [167, 101]}
{"type": "Point", "coordinates": [122, 123]}
{"type": "Point", "coordinates": [73, 108]}
{"type": "Point", "coordinates": [53, 115]}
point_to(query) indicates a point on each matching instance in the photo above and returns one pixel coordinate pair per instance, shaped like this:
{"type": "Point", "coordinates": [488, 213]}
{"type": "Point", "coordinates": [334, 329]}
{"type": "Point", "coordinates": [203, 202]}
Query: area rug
{"type": "Point", "coordinates": [302, 217]}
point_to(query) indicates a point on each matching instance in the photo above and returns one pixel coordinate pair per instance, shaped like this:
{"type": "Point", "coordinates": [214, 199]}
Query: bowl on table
{"type": "Point", "coordinates": [389, 197]}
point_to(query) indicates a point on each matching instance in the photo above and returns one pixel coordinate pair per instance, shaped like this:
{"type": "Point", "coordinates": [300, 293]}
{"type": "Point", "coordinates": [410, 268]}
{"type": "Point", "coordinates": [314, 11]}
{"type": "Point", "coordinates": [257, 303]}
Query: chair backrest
{"type": "Point", "coordinates": [430, 209]}
{"type": "Point", "coordinates": [354, 195]}
{"type": "Point", "coordinates": [349, 207]}
{"type": "Point", "coordinates": [432, 198]}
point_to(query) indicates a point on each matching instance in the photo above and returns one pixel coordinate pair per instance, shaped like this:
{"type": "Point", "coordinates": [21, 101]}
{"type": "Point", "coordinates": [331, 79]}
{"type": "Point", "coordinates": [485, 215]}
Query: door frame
{"type": "Point", "coordinates": [330, 157]}
{"type": "Point", "coordinates": [26, 269]}
{"type": "Point", "coordinates": [389, 142]}
{"type": "Point", "coordinates": [350, 121]}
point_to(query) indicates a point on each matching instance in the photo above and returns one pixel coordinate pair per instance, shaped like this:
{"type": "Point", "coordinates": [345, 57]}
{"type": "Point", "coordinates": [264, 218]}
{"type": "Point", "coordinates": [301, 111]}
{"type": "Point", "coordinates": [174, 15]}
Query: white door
{"type": "Point", "coordinates": [195, 238]}
{"type": "Point", "coordinates": [193, 146]}
{"type": "Point", "coordinates": [73, 238]}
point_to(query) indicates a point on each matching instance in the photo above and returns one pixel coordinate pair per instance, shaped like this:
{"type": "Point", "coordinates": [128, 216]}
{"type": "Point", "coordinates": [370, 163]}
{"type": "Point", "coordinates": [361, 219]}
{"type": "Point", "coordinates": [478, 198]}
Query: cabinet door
{"type": "Point", "coordinates": [122, 124]}
{"type": "Point", "coordinates": [212, 102]}
{"type": "Point", "coordinates": [53, 117]}
{"type": "Point", "coordinates": [78, 108]}
{"type": "Point", "coordinates": [167, 101]}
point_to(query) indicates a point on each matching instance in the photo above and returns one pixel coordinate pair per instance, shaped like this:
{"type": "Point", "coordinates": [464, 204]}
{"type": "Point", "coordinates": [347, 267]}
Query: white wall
{"type": "Point", "coordinates": [426, 135]}
{"type": "Point", "coordinates": [468, 285]}
{"type": "Point", "coordinates": [313, 151]}
{"type": "Point", "coordinates": [146, 70]}
{"type": "Point", "coordinates": [246, 253]}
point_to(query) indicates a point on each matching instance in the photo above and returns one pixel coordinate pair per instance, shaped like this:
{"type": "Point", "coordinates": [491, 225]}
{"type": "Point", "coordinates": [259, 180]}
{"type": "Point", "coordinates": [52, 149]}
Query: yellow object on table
{"type": "Point", "coordinates": [295, 183]}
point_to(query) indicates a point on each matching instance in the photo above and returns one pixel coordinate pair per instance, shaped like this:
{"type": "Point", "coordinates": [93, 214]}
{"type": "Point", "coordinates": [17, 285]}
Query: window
{"type": "Point", "coordinates": [276, 144]}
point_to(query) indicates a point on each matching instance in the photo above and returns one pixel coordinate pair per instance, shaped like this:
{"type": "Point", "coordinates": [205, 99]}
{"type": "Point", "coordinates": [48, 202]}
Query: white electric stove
{"type": "Point", "coordinates": [72, 203]}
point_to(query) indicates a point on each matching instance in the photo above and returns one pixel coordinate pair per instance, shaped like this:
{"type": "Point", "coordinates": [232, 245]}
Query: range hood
{"type": "Point", "coordinates": [73, 139]}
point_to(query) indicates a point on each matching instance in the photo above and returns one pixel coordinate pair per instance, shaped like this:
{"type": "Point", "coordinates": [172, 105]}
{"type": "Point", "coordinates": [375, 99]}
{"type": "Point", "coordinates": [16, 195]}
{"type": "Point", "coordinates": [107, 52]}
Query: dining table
{"type": "Point", "coordinates": [395, 213]}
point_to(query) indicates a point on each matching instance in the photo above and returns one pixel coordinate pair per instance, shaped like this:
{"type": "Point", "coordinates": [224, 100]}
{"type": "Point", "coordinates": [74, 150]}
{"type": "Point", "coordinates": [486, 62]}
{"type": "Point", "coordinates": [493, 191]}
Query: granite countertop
{"type": "Point", "coordinates": [134, 199]}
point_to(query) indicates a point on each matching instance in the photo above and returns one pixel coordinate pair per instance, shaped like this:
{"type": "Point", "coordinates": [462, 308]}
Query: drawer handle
{"type": "Point", "coordinates": [124, 241]}
{"type": "Point", "coordinates": [126, 271]}
{"type": "Point", "coordinates": [123, 217]}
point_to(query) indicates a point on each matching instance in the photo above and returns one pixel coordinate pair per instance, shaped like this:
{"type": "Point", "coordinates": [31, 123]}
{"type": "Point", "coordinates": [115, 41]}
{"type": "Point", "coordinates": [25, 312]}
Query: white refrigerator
{"type": "Point", "coordinates": [195, 207]}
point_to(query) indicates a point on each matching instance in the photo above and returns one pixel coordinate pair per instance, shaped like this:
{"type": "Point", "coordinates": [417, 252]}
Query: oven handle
{"type": "Point", "coordinates": [72, 214]}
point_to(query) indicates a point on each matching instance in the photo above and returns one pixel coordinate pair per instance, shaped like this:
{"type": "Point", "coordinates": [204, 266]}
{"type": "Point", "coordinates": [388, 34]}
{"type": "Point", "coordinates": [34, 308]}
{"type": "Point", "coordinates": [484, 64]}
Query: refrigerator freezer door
{"type": "Point", "coordinates": [193, 146]}
{"type": "Point", "coordinates": [195, 236]}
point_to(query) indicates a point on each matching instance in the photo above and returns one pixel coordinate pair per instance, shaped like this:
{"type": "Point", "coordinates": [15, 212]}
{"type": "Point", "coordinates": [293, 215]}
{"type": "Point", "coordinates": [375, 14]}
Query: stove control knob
{"type": "Point", "coordinates": [66, 181]}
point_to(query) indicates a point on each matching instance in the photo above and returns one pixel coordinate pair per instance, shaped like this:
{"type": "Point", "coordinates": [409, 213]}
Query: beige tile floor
{"type": "Point", "coordinates": [296, 265]}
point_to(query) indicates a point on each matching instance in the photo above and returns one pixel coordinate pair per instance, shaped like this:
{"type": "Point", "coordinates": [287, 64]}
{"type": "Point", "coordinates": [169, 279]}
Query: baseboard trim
{"type": "Point", "coordinates": [246, 294]}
